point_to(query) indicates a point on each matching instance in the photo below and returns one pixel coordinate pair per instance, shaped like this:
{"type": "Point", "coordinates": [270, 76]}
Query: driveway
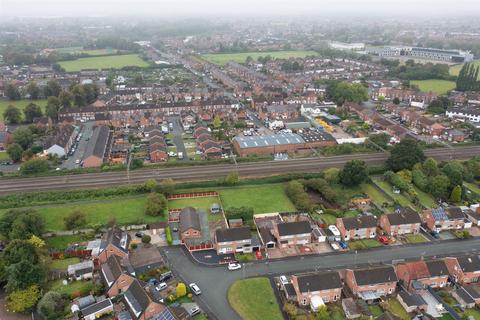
{"type": "Point", "coordinates": [215, 281]}
{"type": "Point", "coordinates": [177, 131]}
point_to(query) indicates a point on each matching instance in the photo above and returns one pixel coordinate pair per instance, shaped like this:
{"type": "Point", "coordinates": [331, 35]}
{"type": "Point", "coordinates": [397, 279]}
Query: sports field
{"type": "Point", "coordinates": [223, 58]}
{"type": "Point", "coordinates": [437, 86]}
{"type": "Point", "coordinates": [104, 62]}
{"type": "Point", "coordinates": [455, 70]}
{"type": "Point", "coordinates": [21, 104]}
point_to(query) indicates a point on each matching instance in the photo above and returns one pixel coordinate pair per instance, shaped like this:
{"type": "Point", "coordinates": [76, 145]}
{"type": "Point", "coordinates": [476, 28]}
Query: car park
{"type": "Point", "coordinates": [234, 266]}
{"type": "Point", "coordinates": [195, 289]}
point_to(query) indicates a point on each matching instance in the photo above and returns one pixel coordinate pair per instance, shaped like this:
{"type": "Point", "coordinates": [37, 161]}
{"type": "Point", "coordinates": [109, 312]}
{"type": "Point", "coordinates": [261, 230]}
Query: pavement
{"type": "Point", "coordinates": [215, 281]}
{"type": "Point", "coordinates": [177, 131]}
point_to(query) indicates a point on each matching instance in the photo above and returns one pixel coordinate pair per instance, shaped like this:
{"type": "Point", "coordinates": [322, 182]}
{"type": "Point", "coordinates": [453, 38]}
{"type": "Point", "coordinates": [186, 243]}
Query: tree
{"type": "Point", "coordinates": [296, 193]}
{"type": "Point", "coordinates": [439, 105]}
{"type": "Point", "coordinates": [37, 242]}
{"type": "Point", "coordinates": [467, 79]}
{"type": "Point", "coordinates": [78, 95]}
{"type": "Point", "coordinates": [23, 301]}
{"type": "Point", "coordinates": [456, 195]}
{"type": "Point", "coordinates": [18, 250]}
{"type": "Point", "coordinates": [52, 305]}
{"type": "Point", "coordinates": [32, 111]}
{"type": "Point", "coordinates": [65, 98]}
{"type": "Point", "coordinates": [75, 220]}
{"type": "Point", "coordinates": [217, 123]}
{"type": "Point", "coordinates": [91, 93]}
{"type": "Point", "coordinates": [146, 239]}
{"type": "Point", "coordinates": [15, 152]}
{"type": "Point", "coordinates": [380, 139]}
{"type": "Point", "coordinates": [396, 101]}
{"type": "Point", "coordinates": [168, 186]}
{"type": "Point", "coordinates": [151, 185]}
{"type": "Point", "coordinates": [53, 107]}
{"type": "Point", "coordinates": [52, 89]}
{"type": "Point", "coordinates": [439, 186]}
{"type": "Point", "coordinates": [27, 224]}
{"type": "Point", "coordinates": [24, 137]}
{"type": "Point", "coordinates": [155, 204]}
{"type": "Point", "coordinates": [454, 171]}
{"type": "Point", "coordinates": [331, 175]}
{"type": "Point", "coordinates": [231, 179]}
{"type": "Point", "coordinates": [342, 92]}
{"type": "Point", "coordinates": [33, 90]}
{"type": "Point", "coordinates": [353, 173]}
{"type": "Point", "coordinates": [12, 92]}
{"type": "Point", "coordinates": [12, 114]}
{"type": "Point", "coordinates": [430, 167]}
{"type": "Point", "coordinates": [23, 274]}
{"type": "Point", "coordinates": [181, 290]}
{"type": "Point", "coordinates": [34, 166]}
{"type": "Point", "coordinates": [405, 155]}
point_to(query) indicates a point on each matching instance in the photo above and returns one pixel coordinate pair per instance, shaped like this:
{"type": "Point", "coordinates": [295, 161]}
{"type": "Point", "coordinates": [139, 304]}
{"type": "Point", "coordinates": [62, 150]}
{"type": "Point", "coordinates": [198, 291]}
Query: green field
{"type": "Point", "coordinates": [396, 308]}
{"type": "Point", "coordinates": [223, 58]}
{"type": "Point", "coordinates": [21, 104]}
{"type": "Point", "coordinates": [4, 156]}
{"type": "Point", "coordinates": [81, 50]}
{"type": "Point", "coordinates": [455, 70]}
{"type": "Point", "coordinates": [436, 86]}
{"type": "Point", "coordinates": [425, 199]}
{"type": "Point", "coordinates": [263, 199]}
{"type": "Point", "coordinates": [105, 62]}
{"type": "Point", "coordinates": [253, 299]}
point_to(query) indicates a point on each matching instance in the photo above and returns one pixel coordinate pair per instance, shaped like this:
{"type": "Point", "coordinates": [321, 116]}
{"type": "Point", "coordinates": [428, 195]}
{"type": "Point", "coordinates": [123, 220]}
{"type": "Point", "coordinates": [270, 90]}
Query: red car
{"type": "Point", "coordinates": [383, 240]}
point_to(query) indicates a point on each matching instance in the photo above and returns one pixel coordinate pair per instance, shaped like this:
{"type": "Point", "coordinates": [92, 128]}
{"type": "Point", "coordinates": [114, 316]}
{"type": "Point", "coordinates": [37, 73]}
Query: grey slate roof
{"type": "Point", "coordinates": [233, 234]}
{"type": "Point", "coordinates": [359, 222]}
{"type": "Point", "coordinates": [293, 228]}
{"type": "Point", "coordinates": [373, 276]}
{"type": "Point", "coordinates": [469, 263]}
{"type": "Point", "coordinates": [437, 268]}
{"type": "Point", "coordinates": [137, 296]}
{"type": "Point", "coordinates": [269, 140]}
{"type": "Point", "coordinates": [319, 281]}
{"type": "Point", "coordinates": [404, 216]}
{"type": "Point", "coordinates": [97, 307]}
{"type": "Point", "coordinates": [411, 299]}
{"type": "Point", "coordinates": [189, 219]}
{"type": "Point", "coordinates": [116, 237]}
{"type": "Point", "coordinates": [98, 142]}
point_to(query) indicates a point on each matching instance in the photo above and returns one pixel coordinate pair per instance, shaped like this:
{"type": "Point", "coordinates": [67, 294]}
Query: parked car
{"type": "Point", "coordinates": [284, 280]}
{"type": "Point", "coordinates": [161, 286]}
{"type": "Point", "coordinates": [165, 276]}
{"type": "Point", "coordinates": [195, 289]}
{"type": "Point", "coordinates": [343, 244]}
{"type": "Point", "coordinates": [234, 266]}
{"type": "Point", "coordinates": [383, 240]}
{"type": "Point", "coordinates": [153, 281]}
{"type": "Point", "coordinates": [139, 234]}
{"type": "Point", "coordinates": [435, 234]}
{"type": "Point", "coordinates": [194, 311]}
{"type": "Point", "coordinates": [77, 161]}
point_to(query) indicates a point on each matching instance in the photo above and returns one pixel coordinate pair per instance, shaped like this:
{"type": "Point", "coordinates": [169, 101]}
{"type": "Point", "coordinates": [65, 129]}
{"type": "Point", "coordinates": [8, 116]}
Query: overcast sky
{"type": "Point", "coordinates": [171, 8]}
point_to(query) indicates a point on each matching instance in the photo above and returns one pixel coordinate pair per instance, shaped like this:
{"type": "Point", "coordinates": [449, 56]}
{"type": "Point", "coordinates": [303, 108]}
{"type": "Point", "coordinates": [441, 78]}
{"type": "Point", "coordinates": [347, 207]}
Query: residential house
{"type": "Point", "coordinates": [145, 259]}
{"type": "Point", "coordinates": [411, 302]}
{"type": "Point", "coordinates": [97, 310]}
{"type": "Point", "coordinates": [421, 274]}
{"type": "Point", "coordinates": [5, 138]}
{"type": "Point", "coordinates": [404, 221]}
{"type": "Point", "coordinates": [116, 275]}
{"type": "Point", "coordinates": [323, 286]}
{"type": "Point", "coordinates": [371, 283]}
{"type": "Point", "coordinates": [293, 233]}
{"type": "Point", "coordinates": [454, 135]}
{"type": "Point", "coordinates": [267, 238]}
{"type": "Point", "coordinates": [233, 240]}
{"type": "Point", "coordinates": [81, 271]}
{"type": "Point", "coordinates": [189, 224]}
{"type": "Point", "coordinates": [98, 147]}
{"type": "Point", "coordinates": [473, 215]}
{"type": "Point", "coordinates": [467, 296]}
{"type": "Point", "coordinates": [467, 113]}
{"type": "Point", "coordinates": [61, 141]}
{"type": "Point", "coordinates": [114, 242]}
{"type": "Point", "coordinates": [140, 305]}
{"type": "Point", "coordinates": [464, 269]}
{"type": "Point", "coordinates": [363, 227]}
{"type": "Point", "coordinates": [440, 219]}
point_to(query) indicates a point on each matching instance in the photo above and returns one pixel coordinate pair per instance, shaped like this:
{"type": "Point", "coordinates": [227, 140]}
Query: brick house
{"type": "Point", "coordinates": [98, 147]}
{"type": "Point", "coordinates": [189, 224]}
{"type": "Point", "coordinates": [233, 240]}
{"type": "Point", "coordinates": [371, 283]}
{"type": "Point", "coordinates": [157, 152]}
{"type": "Point", "coordinates": [114, 242]}
{"type": "Point", "coordinates": [363, 227]}
{"type": "Point", "coordinates": [420, 274]}
{"type": "Point", "coordinates": [474, 215]}
{"type": "Point", "coordinates": [140, 305]}
{"type": "Point", "coordinates": [116, 276]}
{"type": "Point", "coordinates": [405, 221]}
{"type": "Point", "coordinates": [326, 285]}
{"type": "Point", "coordinates": [61, 141]}
{"type": "Point", "coordinates": [441, 219]}
{"type": "Point", "coordinates": [467, 296]}
{"type": "Point", "coordinates": [464, 269]}
{"type": "Point", "coordinates": [293, 233]}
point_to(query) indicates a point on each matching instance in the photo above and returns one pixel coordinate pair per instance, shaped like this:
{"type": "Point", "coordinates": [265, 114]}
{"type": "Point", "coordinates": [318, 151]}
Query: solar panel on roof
{"type": "Point", "coordinates": [165, 315]}
{"type": "Point", "coordinates": [439, 214]}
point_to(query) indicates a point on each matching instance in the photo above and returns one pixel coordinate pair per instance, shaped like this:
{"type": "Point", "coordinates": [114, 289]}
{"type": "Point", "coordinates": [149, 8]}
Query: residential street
{"type": "Point", "coordinates": [177, 132]}
{"type": "Point", "coordinates": [215, 281]}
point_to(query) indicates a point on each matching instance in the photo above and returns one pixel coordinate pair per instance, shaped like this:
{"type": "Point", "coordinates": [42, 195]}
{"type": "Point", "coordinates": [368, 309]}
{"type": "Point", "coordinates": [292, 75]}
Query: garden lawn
{"type": "Point", "coordinates": [415, 238]}
{"type": "Point", "coordinates": [21, 104]}
{"type": "Point", "coordinates": [62, 264]}
{"type": "Point", "coordinates": [363, 244]}
{"type": "Point", "coordinates": [4, 156]}
{"type": "Point", "coordinates": [62, 242]}
{"type": "Point", "coordinates": [253, 299]}
{"type": "Point", "coordinates": [203, 203]}
{"type": "Point", "coordinates": [425, 199]}
{"type": "Point", "coordinates": [124, 210]}
{"type": "Point", "coordinates": [328, 218]}
{"type": "Point", "coordinates": [475, 313]}
{"type": "Point", "coordinates": [434, 85]}
{"type": "Point", "coordinates": [376, 310]}
{"type": "Point", "coordinates": [376, 195]}
{"type": "Point", "coordinates": [455, 70]}
{"type": "Point", "coordinates": [82, 287]}
{"type": "Point", "coordinates": [473, 187]}
{"type": "Point", "coordinates": [396, 308]}
{"type": "Point", "coordinates": [223, 58]}
{"type": "Point", "coordinates": [263, 199]}
{"type": "Point", "coordinates": [104, 62]}
{"type": "Point", "coordinates": [387, 187]}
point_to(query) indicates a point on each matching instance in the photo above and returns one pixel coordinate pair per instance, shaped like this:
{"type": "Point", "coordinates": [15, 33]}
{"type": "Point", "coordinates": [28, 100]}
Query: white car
{"type": "Point", "coordinates": [77, 161]}
{"type": "Point", "coordinates": [161, 286]}
{"type": "Point", "coordinates": [284, 280]}
{"type": "Point", "coordinates": [234, 266]}
{"type": "Point", "coordinates": [195, 289]}
{"type": "Point", "coordinates": [194, 311]}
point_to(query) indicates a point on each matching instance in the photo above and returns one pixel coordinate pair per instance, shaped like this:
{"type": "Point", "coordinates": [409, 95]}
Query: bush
{"type": "Point", "coordinates": [146, 239]}
{"type": "Point", "coordinates": [75, 220]}
{"type": "Point", "coordinates": [181, 290]}
{"type": "Point", "coordinates": [156, 204]}
{"type": "Point", "coordinates": [298, 196]}
{"type": "Point", "coordinates": [244, 213]}
{"type": "Point", "coordinates": [168, 235]}
{"type": "Point", "coordinates": [34, 166]}
{"type": "Point", "coordinates": [231, 179]}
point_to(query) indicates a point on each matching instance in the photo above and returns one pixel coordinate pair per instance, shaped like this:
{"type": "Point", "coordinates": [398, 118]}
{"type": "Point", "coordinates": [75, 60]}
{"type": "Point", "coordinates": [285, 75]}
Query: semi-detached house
{"type": "Point", "coordinates": [464, 269]}
{"type": "Point", "coordinates": [421, 274]}
{"type": "Point", "coordinates": [233, 240]}
{"type": "Point", "coordinates": [371, 283]}
{"type": "Point", "coordinates": [363, 227]}
{"type": "Point", "coordinates": [293, 233]}
{"type": "Point", "coordinates": [404, 221]}
{"type": "Point", "coordinates": [318, 288]}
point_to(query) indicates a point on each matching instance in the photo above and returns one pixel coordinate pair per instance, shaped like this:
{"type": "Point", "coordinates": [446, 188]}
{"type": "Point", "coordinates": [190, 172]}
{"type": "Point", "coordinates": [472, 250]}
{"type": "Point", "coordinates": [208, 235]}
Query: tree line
{"type": "Point", "coordinates": [468, 78]}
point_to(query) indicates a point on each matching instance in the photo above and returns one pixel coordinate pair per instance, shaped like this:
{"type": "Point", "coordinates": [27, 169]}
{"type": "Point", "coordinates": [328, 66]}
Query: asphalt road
{"type": "Point", "coordinates": [210, 172]}
{"type": "Point", "coordinates": [177, 131]}
{"type": "Point", "coordinates": [215, 281]}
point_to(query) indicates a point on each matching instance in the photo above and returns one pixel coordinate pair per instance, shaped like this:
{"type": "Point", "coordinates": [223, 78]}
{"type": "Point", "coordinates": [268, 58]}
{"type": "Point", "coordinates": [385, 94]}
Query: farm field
{"type": "Point", "coordinates": [455, 70]}
{"type": "Point", "coordinates": [104, 62]}
{"type": "Point", "coordinates": [81, 50]}
{"type": "Point", "coordinates": [253, 299]}
{"type": "Point", "coordinates": [223, 58]}
{"type": "Point", "coordinates": [437, 86]}
{"type": "Point", "coordinates": [263, 199]}
{"type": "Point", "coordinates": [21, 104]}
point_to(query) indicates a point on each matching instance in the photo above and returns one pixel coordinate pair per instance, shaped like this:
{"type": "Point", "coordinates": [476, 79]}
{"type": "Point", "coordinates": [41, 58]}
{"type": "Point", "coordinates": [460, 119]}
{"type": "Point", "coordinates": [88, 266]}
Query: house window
{"type": "Point", "coordinates": [304, 301]}
{"type": "Point", "coordinates": [390, 290]}
{"type": "Point", "coordinates": [335, 297]}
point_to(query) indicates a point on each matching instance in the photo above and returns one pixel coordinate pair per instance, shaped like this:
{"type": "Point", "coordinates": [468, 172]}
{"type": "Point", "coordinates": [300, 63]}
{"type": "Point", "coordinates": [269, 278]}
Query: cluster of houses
{"type": "Point", "coordinates": [413, 282]}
